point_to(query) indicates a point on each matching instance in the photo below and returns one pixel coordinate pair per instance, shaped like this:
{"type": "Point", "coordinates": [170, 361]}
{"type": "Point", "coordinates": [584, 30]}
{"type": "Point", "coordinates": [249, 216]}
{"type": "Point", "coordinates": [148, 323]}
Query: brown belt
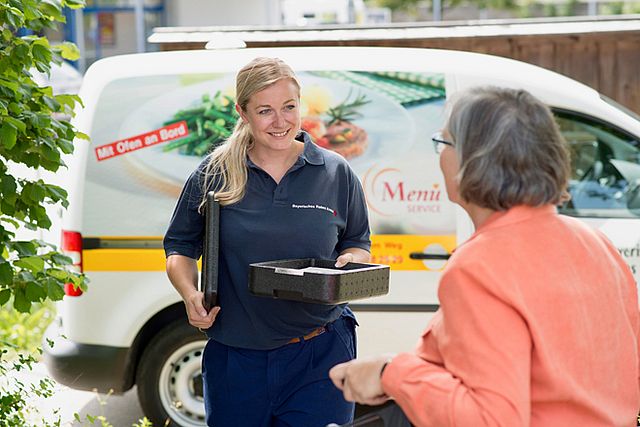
{"type": "Point", "coordinates": [314, 333]}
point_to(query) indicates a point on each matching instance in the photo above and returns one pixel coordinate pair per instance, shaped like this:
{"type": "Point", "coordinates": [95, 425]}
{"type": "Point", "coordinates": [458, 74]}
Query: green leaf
{"type": "Point", "coordinates": [61, 259]}
{"type": "Point", "coordinates": [81, 135]}
{"type": "Point", "coordinates": [14, 17]}
{"type": "Point", "coordinates": [74, 4]}
{"type": "Point", "coordinates": [24, 248]}
{"type": "Point", "coordinates": [16, 123]}
{"type": "Point", "coordinates": [32, 263]}
{"type": "Point", "coordinates": [7, 207]}
{"type": "Point", "coordinates": [69, 51]}
{"type": "Point", "coordinates": [8, 185]}
{"type": "Point", "coordinates": [50, 154]}
{"type": "Point", "coordinates": [56, 193]}
{"type": "Point", "coordinates": [14, 108]}
{"type": "Point", "coordinates": [34, 292]}
{"type": "Point", "coordinates": [31, 13]}
{"type": "Point", "coordinates": [5, 294]}
{"type": "Point", "coordinates": [20, 301]}
{"type": "Point", "coordinates": [30, 226]}
{"type": "Point", "coordinates": [58, 274]}
{"type": "Point", "coordinates": [21, 52]}
{"type": "Point", "coordinates": [51, 7]}
{"type": "Point", "coordinates": [8, 136]}
{"type": "Point", "coordinates": [10, 221]}
{"type": "Point", "coordinates": [38, 192]}
{"type": "Point", "coordinates": [51, 103]}
{"type": "Point", "coordinates": [68, 100]}
{"type": "Point", "coordinates": [65, 146]}
{"type": "Point", "coordinates": [6, 274]}
{"type": "Point", "coordinates": [55, 290]}
{"type": "Point", "coordinates": [42, 57]}
{"type": "Point", "coordinates": [14, 86]}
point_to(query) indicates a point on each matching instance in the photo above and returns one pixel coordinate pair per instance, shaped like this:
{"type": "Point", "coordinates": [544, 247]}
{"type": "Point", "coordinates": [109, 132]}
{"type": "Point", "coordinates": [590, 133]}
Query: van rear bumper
{"type": "Point", "coordinates": [86, 366]}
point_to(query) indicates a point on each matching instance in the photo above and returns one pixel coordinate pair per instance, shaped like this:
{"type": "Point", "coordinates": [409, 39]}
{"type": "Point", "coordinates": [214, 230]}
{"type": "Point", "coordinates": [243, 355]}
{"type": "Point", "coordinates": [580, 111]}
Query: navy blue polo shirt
{"type": "Point", "coordinates": [316, 211]}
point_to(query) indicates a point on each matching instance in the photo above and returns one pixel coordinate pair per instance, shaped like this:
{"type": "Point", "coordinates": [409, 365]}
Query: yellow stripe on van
{"type": "Point", "coordinates": [390, 249]}
{"type": "Point", "coordinates": [123, 260]}
{"type": "Point", "coordinates": [394, 250]}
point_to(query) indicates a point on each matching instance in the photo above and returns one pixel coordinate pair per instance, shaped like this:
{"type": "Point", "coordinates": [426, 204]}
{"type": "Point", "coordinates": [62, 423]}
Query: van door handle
{"type": "Point", "coordinates": [422, 255]}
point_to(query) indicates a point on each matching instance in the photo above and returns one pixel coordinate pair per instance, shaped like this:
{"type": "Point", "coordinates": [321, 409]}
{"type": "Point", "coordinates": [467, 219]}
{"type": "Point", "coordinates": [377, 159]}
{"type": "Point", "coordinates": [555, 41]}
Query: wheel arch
{"type": "Point", "coordinates": [155, 324]}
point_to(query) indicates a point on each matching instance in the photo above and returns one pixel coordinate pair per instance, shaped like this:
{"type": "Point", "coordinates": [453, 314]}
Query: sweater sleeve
{"type": "Point", "coordinates": [485, 348]}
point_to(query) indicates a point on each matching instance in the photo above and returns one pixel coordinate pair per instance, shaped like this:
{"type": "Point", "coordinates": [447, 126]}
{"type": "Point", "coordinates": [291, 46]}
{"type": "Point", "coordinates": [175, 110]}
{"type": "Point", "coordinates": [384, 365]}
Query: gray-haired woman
{"type": "Point", "coordinates": [267, 361]}
{"type": "Point", "coordinates": [539, 322]}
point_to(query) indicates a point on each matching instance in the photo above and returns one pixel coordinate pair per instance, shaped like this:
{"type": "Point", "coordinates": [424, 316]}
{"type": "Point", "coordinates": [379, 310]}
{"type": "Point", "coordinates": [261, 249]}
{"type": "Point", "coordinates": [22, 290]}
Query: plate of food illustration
{"type": "Point", "coordinates": [358, 123]}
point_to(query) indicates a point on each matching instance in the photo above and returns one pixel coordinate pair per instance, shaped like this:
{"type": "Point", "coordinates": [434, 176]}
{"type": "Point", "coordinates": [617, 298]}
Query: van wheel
{"type": "Point", "coordinates": [169, 377]}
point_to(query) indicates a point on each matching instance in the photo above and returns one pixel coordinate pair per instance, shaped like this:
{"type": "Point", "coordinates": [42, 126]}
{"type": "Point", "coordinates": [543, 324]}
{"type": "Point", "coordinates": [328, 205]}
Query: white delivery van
{"type": "Point", "coordinates": [151, 118]}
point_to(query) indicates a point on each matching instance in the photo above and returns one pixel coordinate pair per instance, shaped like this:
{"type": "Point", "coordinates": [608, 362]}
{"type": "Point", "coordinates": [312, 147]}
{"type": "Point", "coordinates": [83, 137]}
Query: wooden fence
{"type": "Point", "coordinates": [602, 52]}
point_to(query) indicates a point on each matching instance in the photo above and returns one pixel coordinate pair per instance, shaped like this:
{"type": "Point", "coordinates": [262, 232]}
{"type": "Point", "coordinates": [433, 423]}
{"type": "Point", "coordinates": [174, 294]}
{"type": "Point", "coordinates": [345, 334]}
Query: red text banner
{"type": "Point", "coordinates": [157, 136]}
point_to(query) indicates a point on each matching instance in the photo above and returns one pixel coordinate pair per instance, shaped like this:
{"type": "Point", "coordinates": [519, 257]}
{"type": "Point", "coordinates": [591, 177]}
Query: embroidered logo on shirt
{"type": "Point", "coordinates": [314, 206]}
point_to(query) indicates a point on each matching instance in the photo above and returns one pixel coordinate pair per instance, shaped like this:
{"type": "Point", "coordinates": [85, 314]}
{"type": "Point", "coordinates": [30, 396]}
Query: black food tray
{"type": "Point", "coordinates": [318, 280]}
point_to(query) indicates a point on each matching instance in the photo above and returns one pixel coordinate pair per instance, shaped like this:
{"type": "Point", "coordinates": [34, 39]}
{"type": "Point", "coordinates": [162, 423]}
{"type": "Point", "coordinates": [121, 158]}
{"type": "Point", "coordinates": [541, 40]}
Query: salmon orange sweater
{"type": "Point", "coordinates": [538, 326]}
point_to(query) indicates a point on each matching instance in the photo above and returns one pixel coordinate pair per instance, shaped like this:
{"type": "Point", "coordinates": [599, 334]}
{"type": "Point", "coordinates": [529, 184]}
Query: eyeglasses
{"type": "Point", "coordinates": [439, 142]}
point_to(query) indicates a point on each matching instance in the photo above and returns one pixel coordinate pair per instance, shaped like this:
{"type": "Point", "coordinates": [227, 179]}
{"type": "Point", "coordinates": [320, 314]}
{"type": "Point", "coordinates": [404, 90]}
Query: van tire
{"type": "Point", "coordinates": [169, 377]}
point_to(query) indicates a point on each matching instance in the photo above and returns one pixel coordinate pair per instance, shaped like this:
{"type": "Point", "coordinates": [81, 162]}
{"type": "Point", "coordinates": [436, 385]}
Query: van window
{"type": "Point", "coordinates": [149, 133]}
{"type": "Point", "coordinates": [605, 168]}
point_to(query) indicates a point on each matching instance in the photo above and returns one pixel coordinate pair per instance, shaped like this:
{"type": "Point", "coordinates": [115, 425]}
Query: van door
{"type": "Point", "coordinates": [412, 221]}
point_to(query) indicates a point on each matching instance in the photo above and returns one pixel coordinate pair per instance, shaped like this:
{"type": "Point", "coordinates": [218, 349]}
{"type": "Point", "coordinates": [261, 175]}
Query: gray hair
{"type": "Point", "coordinates": [509, 148]}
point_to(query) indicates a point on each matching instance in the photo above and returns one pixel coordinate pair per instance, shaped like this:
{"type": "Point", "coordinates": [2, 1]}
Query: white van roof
{"type": "Point", "coordinates": [462, 69]}
{"type": "Point", "coordinates": [485, 67]}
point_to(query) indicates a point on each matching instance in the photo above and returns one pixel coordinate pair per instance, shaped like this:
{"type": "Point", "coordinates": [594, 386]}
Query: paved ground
{"type": "Point", "coordinates": [120, 411]}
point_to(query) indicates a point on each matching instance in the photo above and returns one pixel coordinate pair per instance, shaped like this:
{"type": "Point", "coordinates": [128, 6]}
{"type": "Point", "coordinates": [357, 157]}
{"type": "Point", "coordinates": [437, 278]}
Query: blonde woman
{"type": "Point", "coordinates": [538, 323]}
{"type": "Point", "coordinates": [266, 362]}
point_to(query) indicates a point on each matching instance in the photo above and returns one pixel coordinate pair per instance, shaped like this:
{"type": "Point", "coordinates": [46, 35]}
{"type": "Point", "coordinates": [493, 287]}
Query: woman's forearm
{"type": "Point", "coordinates": [183, 274]}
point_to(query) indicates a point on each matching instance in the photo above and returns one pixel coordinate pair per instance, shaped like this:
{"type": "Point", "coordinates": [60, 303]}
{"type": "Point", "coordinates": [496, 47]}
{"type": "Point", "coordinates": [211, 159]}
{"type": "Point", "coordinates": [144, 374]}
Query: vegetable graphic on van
{"type": "Point", "coordinates": [210, 123]}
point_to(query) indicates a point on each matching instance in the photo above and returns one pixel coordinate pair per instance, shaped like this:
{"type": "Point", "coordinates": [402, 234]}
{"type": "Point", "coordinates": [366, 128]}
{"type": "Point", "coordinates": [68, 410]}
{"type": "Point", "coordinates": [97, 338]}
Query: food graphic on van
{"type": "Point", "coordinates": [346, 112]}
{"type": "Point", "coordinates": [212, 121]}
{"type": "Point", "coordinates": [209, 123]}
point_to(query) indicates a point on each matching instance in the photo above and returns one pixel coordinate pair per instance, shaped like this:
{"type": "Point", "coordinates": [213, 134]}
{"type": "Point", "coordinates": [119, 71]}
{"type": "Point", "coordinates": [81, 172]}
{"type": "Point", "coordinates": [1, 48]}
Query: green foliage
{"type": "Point", "coordinates": [30, 134]}
{"type": "Point", "coordinates": [410, 6]}
{"type": "Point", "coordinates": [25, 330]}
{"type": "Point", "coordinates": [16, 405]}
{"type": "Point", "coordinates": [143, 422]}
{"type": "Point", "coordinates": [569, 8]}
{"type": "Point", "coordinates": [101, 420]}
{"type": "Point", "coordinates": [404, 5]}
{"type": "Point", "coordinates": [93, 420]}
{"type": "Point", "coordinates": [618, 8]}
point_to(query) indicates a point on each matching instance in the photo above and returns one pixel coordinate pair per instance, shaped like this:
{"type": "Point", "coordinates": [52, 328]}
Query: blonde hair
{"type": "Point", "coordinates": [509, 148]}
{"type": "Point", "coordinates": [227, 164]}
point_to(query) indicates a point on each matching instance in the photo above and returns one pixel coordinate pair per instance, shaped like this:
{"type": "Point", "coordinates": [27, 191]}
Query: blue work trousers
{"type": "Point", "coordinates": [285, 387]}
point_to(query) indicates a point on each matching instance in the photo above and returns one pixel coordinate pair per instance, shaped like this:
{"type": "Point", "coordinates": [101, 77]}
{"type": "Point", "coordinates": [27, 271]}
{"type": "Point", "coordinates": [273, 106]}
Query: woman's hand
{"type": "Point", "coordinates": [344, 259]}
{"type": "Point", "coordinates": [196, 312]}
{"type": "Point", "coordinates": [352, 255]}
{"type": "Point", "coordinates": [183, 273]}
{"type": "Point", "coordinates": [360, 381]}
